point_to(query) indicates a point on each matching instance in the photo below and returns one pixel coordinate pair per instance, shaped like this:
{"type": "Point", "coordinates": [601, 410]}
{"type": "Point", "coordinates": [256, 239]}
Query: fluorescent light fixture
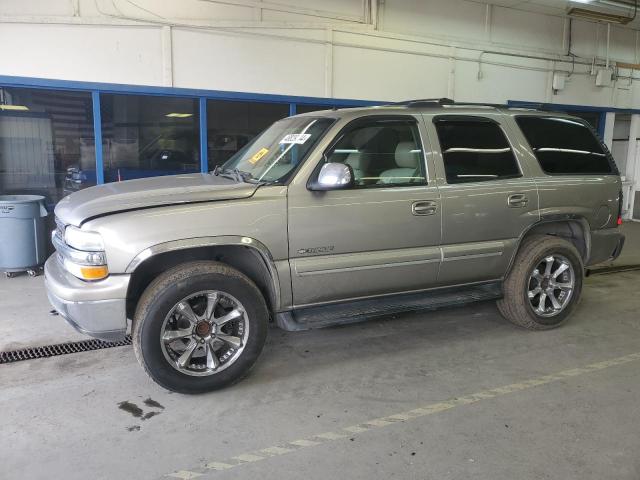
{"type": "Point", "coordinates": [19, 108]}
{"type": "Point", "coordinates": [179, 115]}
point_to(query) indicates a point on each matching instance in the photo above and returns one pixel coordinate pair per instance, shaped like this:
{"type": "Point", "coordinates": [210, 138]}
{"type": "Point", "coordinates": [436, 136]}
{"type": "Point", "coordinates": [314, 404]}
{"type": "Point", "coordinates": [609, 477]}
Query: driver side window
{"type": "Point", "coordinates": [382, 153]}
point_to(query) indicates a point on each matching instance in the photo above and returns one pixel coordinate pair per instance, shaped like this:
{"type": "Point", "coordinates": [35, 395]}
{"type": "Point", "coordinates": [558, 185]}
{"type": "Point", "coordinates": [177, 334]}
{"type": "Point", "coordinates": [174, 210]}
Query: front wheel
{"type": "Point", "coordinates": [544, 285]}
{"type": "Point", "coordinates": [199, 327]}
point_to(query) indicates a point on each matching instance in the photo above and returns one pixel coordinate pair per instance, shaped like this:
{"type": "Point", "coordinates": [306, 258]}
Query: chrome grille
{"type": "Point", "coordinates": [59, 231]}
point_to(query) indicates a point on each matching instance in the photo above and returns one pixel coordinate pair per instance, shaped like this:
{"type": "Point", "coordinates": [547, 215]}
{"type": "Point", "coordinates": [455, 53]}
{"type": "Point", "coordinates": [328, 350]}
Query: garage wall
{"type": "Point", "coordinates": [337, 48]}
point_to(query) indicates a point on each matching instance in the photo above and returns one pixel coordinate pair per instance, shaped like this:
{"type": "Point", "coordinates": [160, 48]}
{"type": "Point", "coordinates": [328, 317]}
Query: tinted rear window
{"type": "Point", "coordinates": [565, 146]}
{"type": "Point", "coordinates": [475, 151]}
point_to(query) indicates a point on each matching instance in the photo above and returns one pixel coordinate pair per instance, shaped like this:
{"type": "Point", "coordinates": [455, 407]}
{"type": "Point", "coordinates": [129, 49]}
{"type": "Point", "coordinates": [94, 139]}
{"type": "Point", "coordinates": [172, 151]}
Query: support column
{"type": "Point", "coordinates": [609, 120]}
{"type": "Point", "coordinates": [204, 144]}
{"type": "Point", "coordinates": [166, 37]}
{"type": "Point", "coordinates": [631, 185]}
{"type": "Point", "coordinates": [97, 135]}
{"type": "Point", "coordinates": [328, 63]}
{"type": "Point", "coordinates": [451, 82]}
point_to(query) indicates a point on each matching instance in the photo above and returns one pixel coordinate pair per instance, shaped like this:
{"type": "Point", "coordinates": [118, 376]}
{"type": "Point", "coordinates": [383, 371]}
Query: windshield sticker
{"type": "Point", "coordinates": [297, 138]}
{"type": "Point", "coordinates": [258, 155]}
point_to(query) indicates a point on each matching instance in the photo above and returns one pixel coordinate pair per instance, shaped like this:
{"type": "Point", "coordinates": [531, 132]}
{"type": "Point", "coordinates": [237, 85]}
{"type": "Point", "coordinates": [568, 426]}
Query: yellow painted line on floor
{"type": "Point", "coordinates": [218, 466]}
{"type": "Point", "coordinates": [273, 451]}
{"type": "Point", "coordinates": [248, 458]}
{"type": "Point", "coordinates": [185, 475]}
{"type": "Point", "coordinates": [399, 417]}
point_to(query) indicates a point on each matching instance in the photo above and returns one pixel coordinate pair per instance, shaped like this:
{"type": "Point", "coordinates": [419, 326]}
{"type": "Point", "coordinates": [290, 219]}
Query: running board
{"type": "Point", "coordinates": [360, 310]}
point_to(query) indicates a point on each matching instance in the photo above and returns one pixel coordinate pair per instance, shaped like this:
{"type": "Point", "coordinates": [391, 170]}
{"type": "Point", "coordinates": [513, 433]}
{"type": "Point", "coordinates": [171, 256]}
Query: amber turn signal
{"type": "Point", "coordinates": [94, 272]}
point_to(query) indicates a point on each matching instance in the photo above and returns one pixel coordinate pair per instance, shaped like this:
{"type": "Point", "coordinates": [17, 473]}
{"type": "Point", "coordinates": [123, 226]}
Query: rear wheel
{"type": "Point", "coordinates": [199, 327]}
{"type": "Point", "coordinates": [544, 285]}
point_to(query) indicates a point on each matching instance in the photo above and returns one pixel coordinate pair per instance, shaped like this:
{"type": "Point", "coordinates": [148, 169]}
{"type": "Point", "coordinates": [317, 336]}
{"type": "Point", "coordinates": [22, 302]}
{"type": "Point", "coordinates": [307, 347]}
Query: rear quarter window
{"type": "Point", "coordinates": [565, 146]}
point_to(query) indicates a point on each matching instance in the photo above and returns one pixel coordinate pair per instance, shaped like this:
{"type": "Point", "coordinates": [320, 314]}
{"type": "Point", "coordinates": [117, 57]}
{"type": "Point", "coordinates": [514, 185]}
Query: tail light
{"type": "Point", "coordinates": [619, 222]}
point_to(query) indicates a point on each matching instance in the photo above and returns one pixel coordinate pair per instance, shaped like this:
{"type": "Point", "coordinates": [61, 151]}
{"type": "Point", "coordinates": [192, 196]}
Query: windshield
{"type": "Point", "coordinates": [275, 153]}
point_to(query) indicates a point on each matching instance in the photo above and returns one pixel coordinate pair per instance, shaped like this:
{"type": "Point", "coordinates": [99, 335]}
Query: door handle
{"type": "Point", "coordinates": [427, 207]}
{"type": "Point", "coordinates": [517, 200]}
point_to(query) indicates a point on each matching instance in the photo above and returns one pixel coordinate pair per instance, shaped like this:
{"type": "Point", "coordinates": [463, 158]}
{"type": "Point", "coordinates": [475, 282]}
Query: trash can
{"type": "Point", "coordinates": [23, 237]}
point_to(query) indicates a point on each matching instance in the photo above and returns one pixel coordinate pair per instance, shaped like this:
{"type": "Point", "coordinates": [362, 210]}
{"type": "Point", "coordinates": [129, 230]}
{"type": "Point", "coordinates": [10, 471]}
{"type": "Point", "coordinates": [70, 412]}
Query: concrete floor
{"type": "Point", "coordinates": [62, 417]}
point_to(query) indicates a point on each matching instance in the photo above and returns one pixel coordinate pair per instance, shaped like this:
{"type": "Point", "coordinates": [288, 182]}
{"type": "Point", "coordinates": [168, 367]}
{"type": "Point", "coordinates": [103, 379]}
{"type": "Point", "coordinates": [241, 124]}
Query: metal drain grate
{"type": "Point", "coordinates": [59, 349]}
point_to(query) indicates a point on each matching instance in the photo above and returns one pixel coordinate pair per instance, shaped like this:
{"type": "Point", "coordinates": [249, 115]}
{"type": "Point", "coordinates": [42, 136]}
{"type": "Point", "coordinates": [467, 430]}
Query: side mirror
{"type": "Point", "coordinates": [333, 176]}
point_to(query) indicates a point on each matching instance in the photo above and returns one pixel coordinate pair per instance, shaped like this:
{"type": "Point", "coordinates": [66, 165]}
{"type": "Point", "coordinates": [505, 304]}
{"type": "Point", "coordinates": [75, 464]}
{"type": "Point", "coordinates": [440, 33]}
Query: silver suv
{"type": "Point", "coordinates": [332, 217]}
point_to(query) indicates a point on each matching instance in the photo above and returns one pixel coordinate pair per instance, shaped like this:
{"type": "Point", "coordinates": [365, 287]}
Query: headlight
{"type": "Point", "coordinates": [83, 240]}
{"type": "Point", "coordinates": [82, 253]}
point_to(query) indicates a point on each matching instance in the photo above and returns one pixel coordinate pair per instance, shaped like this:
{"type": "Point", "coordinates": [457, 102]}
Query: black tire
{"type": "Point", "coordinates": [170, 288]}
{"type": "Point", "coordinates": [515, 305]}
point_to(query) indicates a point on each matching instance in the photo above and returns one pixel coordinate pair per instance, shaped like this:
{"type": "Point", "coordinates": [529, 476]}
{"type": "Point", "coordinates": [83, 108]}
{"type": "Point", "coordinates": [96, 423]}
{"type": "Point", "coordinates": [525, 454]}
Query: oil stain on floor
{"type": "Point", "coordinates": [137, 412]}
{"type": "Point", "coordinates": [131, 408]}
{"type": "Point", "coordinates": [149, 402]}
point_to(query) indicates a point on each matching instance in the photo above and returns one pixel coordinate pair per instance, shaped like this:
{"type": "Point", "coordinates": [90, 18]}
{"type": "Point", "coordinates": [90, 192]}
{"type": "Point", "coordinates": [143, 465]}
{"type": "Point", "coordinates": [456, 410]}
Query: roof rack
{"type": "Point", "coordinates": [444, 102]}
{"type": "Point", "coordinates": [425, 102]}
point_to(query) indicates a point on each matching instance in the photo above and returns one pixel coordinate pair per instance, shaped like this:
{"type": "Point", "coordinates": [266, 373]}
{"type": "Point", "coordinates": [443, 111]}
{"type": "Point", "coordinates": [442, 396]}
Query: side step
{"type": "Point", "coordinates": [360, 310]}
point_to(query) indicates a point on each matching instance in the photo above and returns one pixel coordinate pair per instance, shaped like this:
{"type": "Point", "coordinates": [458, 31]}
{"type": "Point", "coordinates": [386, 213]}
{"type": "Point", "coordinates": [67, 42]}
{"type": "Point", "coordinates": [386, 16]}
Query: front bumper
{"type": "Point", "coordinates": [97, 309]}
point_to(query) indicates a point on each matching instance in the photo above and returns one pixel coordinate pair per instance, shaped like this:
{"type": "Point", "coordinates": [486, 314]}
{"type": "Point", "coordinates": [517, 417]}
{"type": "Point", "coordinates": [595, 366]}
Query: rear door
{"type": "Point", "coordinates": [487, 197]}
{"type": "Point", "coordinates": [380, 237]}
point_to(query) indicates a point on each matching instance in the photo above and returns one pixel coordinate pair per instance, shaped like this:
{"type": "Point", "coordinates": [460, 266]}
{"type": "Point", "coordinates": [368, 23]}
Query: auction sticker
{"type": "Point", "coordinates": [258, 155]}
{"type": "Point", "coordinates": [297, 138]}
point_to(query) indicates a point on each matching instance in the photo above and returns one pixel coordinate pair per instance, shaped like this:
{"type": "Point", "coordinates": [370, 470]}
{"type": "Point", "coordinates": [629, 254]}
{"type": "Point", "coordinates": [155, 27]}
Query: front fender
{"type": "Point", "coordinates": [209, 242]}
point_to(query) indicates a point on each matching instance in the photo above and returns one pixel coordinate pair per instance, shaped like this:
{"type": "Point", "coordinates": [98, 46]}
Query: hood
{"type": "Point", "coordinates": [148, 192]}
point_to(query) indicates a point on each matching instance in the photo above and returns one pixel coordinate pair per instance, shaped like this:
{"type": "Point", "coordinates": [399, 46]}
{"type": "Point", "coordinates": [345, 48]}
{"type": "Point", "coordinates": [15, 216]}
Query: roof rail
{"type": "Point", "coordinates": [545, 107]}
{"type": "Point", "coordinates": [444, 102]}
{"type": "Point", "coordinates": [425, 102]}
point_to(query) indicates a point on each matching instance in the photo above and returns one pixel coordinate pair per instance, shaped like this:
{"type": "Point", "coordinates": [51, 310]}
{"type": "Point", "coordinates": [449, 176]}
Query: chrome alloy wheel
{"type": "Point", "coordinates": [204, 333]}
{"type": "Point", "coordinates": [551, 286]}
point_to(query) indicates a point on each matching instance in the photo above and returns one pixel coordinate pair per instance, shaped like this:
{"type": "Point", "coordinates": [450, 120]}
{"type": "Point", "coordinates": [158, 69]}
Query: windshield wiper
{"type": "Point", "coordinates": [235, 174]}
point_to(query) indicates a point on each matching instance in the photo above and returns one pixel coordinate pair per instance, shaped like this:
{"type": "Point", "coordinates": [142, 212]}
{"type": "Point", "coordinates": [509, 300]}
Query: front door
{"type": "Point", "coordinates": [488, 196]}
{"type": "Point", "coordinates": [381, 236]}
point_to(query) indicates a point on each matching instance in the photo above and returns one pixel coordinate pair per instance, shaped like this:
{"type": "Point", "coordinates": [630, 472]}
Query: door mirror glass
{"type": "Point", "coordinates": [333, 176]}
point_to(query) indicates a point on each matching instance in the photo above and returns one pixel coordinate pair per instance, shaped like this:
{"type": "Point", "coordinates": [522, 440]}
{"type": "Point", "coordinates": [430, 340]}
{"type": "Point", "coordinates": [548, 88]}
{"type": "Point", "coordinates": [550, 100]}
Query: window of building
{"type": "Point", "coordinates": [382, 153]}
{"type": "Point", "coordinates": [144, 136]}
{"type": "Point", "coordinates": [46, 142]}
{"type": "Point", "coordinates": [475, 151]}
{"type": "Point", "coordinates": [231, 125]}
{"type": "Point", "coordinates": [565, 146]}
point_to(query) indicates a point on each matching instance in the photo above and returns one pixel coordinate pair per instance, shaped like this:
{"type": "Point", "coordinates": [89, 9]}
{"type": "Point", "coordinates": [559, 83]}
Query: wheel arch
{"type": "Point", "coordinates": [572, 228]}
{"type": "Point", "coordinates": [245, 254]}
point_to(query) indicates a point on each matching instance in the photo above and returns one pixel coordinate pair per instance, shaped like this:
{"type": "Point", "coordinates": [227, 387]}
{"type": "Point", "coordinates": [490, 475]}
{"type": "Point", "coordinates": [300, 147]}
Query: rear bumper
{"type": "Point", "coordinates": [97, 309]}
{"type": "Point", "coordinates": [606, 244]}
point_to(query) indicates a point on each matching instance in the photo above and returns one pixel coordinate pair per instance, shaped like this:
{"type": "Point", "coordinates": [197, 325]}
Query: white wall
{"type": "Point", "coordinates": [333, 48]}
